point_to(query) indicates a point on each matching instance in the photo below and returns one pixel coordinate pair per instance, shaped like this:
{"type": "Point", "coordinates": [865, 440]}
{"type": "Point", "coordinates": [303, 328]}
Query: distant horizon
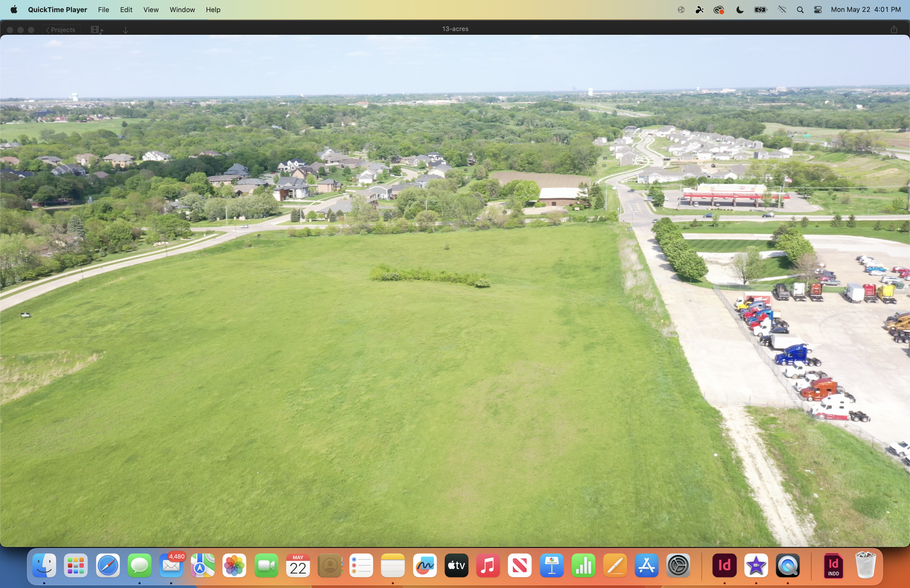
{"type": "Point", "coordinates": [305, 66]}
{"type": "Point", "coordinates": [581, 93]}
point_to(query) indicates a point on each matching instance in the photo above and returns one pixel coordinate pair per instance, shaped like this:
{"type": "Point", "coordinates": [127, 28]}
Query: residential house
{"type": "Point", "coordinates": [68, 168]}
{"type": "Point", "coordinates": [665, 130]}
{"type": "Point", "coordinates": [210, 154]}
{"type": "Point", "coordinates": [350, 162]}
{"type": "Point", "coordinates": [50, 159]}
{"type": "Point", "coordinates": [704, 156]}
{"type": "Point", "coordinates": [740, 155]}
{"type": "Point", "coordinates": [693, 171]}
{"type": "Point", "coordinates": [627, 158]}
{"type": "Point", "coordinates": [19, 174]}
{"type": "Point", "coordinates": [243, 189]}
{"type": "Point", "coordinates": [323, 154]}
{"type": "Point", "coordinates": [367, 176]}
{"type": "Point", "coordinates": [723, 175]}
{"type": "Point", "coordinates": [624, 141]}
{"type": "Point", "coordinates": [629, 129]}
{"type": "Point", "coordinates": [9, 145]}
{"type": "Point", "coordinates": [343, 206]}
{"type": "Point", "coordinates": [435, 156]}
{"type": "Point", "coordinates": [600, 141]}
{"type": "Point", "coordinates": [100, 175]}
{"type": "Point", "coordinates": [422, 158]}
{"type": "Point", "coordinates": [381, 192]}
{"type": "Point", "coordinates": [441, 167]}
{"type": "Point", "coordinates": [121, 160]}
{"type": "Point", "coordinates": [379, 168]}
{"type": "Point", "coordinates": [410, 160]}
{"type": "Point", "coordinates": [328, 185]}
{"type": "Point", "coordinates": [437, 174]}
{"type": "Point", "coordinates": [760, 154]}
{"type": "Point", "coordinates": [86, 158]}
{"type": "Point", "coordinates": [291, 165]}
{"type": "Point", "coordinates": [156, 156]}
{"type": "Point", "coordinates": [778, 154]}
{"type": "Point", "coordinates": [222, 180]}
{"type": "Point", "coordinates": [287, 188]}
{"type": "Point", "coordinates": [723, 156]}
{"type": "Point", "coordinates": [252, 182]}
{"type": "Point", "coordinates": [333, 158]}
{"type": "Point", "coordinates": [740, 142]}
{"type": "Point", "coordinates": [10, 160]}
{"type": "Point", "coordinates": [740, 170]}
{"type": "Point", "coordinates": [655, 175]}
{"type": "Point", "coordinates": [395, 190]}
{"type": "Point", "coordinates": [237, 170]}
{"type": "Point", "coordinates": [786, 151]}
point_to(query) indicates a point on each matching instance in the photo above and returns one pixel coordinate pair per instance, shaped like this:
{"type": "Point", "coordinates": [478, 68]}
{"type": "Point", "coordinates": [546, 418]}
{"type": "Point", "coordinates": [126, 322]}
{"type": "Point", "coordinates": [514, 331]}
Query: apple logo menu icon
{"type": "Point", "coordinates": [13, 9]}
{"type": "Point", "coordinates": [456, 565]}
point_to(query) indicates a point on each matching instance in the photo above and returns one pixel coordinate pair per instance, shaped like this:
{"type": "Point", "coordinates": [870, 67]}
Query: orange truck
{"type": "Point", "coordinates": [821, 389]}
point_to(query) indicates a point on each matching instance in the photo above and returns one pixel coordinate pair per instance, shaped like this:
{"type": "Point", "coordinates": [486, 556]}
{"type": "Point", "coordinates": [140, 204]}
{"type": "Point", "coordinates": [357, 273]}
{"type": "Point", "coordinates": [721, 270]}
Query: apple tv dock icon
{"type": "Point", "coordinates": [456, 565]}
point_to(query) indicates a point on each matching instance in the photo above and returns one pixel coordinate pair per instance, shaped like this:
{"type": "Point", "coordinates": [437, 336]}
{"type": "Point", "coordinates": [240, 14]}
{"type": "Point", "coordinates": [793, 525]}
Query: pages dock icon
{"type": "Point", "coordinates": [392, 565]}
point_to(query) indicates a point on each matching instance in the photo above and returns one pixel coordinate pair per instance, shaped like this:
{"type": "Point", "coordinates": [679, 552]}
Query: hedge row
{"type": "Point", "coordinates": [387, 273]}
{"type": "Point", "coordinates": [685, 261]}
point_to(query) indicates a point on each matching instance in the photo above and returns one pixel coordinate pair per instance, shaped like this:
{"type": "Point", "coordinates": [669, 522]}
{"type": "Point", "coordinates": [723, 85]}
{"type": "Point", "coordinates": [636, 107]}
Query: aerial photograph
{"type": "Point", "coordinates": [387, 290]}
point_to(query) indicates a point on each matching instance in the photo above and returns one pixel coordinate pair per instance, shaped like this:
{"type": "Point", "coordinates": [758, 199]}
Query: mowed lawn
{"type": "Point", "coordinates": [272, 395]}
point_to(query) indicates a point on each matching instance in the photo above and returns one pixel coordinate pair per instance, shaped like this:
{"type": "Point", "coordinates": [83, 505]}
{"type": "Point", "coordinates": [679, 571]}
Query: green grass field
{"type": "Point", "coordinates": [899, 140]}
{"type": "Point", "coordinates": [728, 245]}
{"type": "Point", "coordinates": [266, 392]}
{"type": "Point", "coordinates": [866, 170]}
{"type": "Point", "coordinates": [862, 229]}
{"type": "Point", "coordinates": [33, 130]}
{"type": "Point", "coordinates": [856, 494]}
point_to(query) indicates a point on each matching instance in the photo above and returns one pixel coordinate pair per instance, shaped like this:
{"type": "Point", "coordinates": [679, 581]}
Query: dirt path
{"type": "Point", "coordinates": [765, 480]}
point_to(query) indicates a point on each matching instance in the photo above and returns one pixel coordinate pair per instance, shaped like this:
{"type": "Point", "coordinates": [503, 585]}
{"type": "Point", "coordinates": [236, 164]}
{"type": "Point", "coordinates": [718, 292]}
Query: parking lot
{"type": "Point", "coordinates": [849, 339]}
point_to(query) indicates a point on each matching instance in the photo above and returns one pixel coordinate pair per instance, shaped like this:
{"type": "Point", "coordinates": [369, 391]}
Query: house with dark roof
{"type": "Point", "coordinates": [68, 168]}
{"type": "Point", "coordinates": [252, 182]}
{"type": "Point", "coordinates": [286, 188]}
{"type": "Point", "coordinates": [291, 165]}
{"type": "Point", "coordinates": [20, 174]}
{"type": "Point", "coordinates": [51, 159]}
{"type": "Point", "coordinates": [237, 170]}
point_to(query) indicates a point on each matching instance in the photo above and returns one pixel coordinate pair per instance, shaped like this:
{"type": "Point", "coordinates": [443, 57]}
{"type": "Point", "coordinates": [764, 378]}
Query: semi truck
{"type": "Point", "coordinates": [886, 294]}
{"type": "Point", "coordinates": [751, 300]}
{"type": "Point", "coordinates": [898, 322]}
{"type": "Point", "coordinates": [815, 293]}
{"type": "Point", "coordinates": [869, 293]}
{"type": "Point", "coordinates": [854, 292]}
{"type": "Point", "coordinates": [795, 353]}
{"type": "Point", "coordinates": [799, 291]}
{"type": "Point", "coordinates": [821, 389]}
{"type": "Point", "coordinates": [832, 408]}
{"type": "Point", "coordinates": [780, 292]}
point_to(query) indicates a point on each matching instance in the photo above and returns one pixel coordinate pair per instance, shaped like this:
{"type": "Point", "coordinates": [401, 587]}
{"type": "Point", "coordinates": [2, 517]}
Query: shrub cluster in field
{"type": "Point", "coordinates": [386, 273]}
{"type": "Point", "coordinates": [685, 261]}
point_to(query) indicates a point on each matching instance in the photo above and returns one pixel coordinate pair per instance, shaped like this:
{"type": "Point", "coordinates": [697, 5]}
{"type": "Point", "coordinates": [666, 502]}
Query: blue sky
{"type": "Point", "coordinates": [127, 66]}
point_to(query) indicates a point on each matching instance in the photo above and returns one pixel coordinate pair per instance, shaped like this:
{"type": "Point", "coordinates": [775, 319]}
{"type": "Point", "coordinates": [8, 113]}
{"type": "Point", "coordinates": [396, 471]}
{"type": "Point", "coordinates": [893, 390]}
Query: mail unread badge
{"type": "Point", "coordinates": [168, 567]}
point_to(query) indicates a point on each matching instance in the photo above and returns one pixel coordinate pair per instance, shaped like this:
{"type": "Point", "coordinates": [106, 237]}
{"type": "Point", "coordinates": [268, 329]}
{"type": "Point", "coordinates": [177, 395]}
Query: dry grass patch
{"type": "Point", "coordinates": [22, 374]}
{"type": "Point", "coordinates": [640, 288]}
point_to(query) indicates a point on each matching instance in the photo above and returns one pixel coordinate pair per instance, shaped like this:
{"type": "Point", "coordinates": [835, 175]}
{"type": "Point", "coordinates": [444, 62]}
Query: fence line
{"type": "Point", "coordinates": [787, 384]}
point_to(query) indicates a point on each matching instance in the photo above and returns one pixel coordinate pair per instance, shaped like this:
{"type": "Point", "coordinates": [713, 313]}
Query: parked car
{"type": "Point", "coordinates": [244, 226]}
{"type": "Point", "coordinates": [709, 215]}
{"type": "Point", "coordinates": [827, 279]}
{"type": "Point", "coordinates": [898, 269]}
{"type": "Point", "coordinates": [768, 215]}
{"type": "Point", "coordinates": [876, 272]}
{"type": "Point", "coordinates": [631, 189]}
{"type": "Point", "coordinates": [900, 449]}
{"type": "Point", "coordinates": [891, 279]}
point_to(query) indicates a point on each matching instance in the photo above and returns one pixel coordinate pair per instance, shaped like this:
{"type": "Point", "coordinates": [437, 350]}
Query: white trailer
{"type": "Point", "coordinates": [799, 291]}
{"type": "Point", "coordinates": [780, 341]}
{"type": "Point", "coordinates": [854, 292]}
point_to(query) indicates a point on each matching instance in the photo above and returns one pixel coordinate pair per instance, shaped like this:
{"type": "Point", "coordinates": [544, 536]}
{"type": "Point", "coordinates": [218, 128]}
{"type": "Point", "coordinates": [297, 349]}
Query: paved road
{"type": "Point", "coordinates": [724, 364]}
{"type": "Point", "coordinates": [73, 277]}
